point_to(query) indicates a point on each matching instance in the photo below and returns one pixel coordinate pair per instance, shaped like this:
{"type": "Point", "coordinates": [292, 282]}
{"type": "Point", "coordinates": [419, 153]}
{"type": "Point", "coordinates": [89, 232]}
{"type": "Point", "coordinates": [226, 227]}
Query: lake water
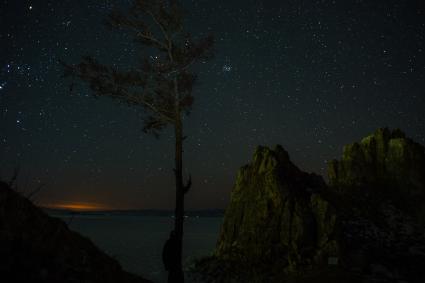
{"type": "Point", "coordinates": [137, 241]}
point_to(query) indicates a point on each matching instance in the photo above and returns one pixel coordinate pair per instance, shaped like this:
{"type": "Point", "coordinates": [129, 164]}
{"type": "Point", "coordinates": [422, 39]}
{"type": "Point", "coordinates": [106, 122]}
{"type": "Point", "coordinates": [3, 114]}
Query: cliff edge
{"type": "Point", "coordinates": [35, 247]}
{"type": "Point", "coordinates": [286, 225]}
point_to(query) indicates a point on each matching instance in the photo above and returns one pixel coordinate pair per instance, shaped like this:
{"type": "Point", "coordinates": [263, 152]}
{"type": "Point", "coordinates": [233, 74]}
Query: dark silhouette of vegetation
{"type": "Point", "coordinates": [13, 184]}
{"type": "Point", "coordinates": [162, 83]}
{"type": "Point", "coordinates": [36, 247]}
{"type": "Point", "coordinates": [169, 253]}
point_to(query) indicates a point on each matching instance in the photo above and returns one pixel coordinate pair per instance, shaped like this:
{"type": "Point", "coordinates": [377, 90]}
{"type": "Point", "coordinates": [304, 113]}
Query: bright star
{"type": "Point", "coordinates": [227, 68]}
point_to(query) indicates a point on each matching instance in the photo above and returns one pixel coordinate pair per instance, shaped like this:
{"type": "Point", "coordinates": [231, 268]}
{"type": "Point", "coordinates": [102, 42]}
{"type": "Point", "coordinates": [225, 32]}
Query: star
{"type": "Point", "coordinates": [227, 68]}
{"type": "Point", "coordinates": [272, 80]}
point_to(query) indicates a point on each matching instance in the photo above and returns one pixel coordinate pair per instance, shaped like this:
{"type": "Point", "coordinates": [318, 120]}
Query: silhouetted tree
{"type": "Point", "coordinates": [161, 83]}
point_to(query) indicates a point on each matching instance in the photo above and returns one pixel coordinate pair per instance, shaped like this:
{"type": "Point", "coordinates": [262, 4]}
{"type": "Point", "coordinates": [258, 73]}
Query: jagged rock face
{"type": "Point", "coordinates": [385, 163]}
{"type": "Point", "coordinates": [35, 247]}
{"type": "Point", "coordinates": [277, 215]}
{"type": "Point", "coordinates": [363, 227]}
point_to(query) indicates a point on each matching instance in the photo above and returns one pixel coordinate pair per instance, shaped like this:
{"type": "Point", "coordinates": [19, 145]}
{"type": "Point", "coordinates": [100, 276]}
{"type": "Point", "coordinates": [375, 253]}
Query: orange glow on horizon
{"type": "Point", "coordinates": [79, 206]}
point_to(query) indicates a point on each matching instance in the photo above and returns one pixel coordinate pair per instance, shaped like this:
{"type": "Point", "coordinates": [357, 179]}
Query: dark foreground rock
{"type": "Point", "coordinates": [35, 247]}
{"type": "Point", "coordinates": [378, 189]}
{"type": "Point", "coordinates": [385, 165]}
{"type": "Point", "coordinates": [285, 225]}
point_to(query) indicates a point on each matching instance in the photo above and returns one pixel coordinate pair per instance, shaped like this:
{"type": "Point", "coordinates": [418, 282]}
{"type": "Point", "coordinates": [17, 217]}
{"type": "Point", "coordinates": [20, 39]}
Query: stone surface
{"type": "Point", "coordinates": [378, 189]}
{"type": "Point", "coordinates": [387, 165]}
{"type": "Point", "coordinates": [276, 214]}
{"type": "Point", "coordinates": [285, 225]}
{"type": "Point", "coordinates": [35, 247]}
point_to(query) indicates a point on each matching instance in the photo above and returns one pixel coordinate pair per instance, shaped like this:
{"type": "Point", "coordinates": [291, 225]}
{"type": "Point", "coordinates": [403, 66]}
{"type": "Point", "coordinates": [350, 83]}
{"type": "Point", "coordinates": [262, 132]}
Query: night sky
{"type": "Point", "coordinates": [310, 75]}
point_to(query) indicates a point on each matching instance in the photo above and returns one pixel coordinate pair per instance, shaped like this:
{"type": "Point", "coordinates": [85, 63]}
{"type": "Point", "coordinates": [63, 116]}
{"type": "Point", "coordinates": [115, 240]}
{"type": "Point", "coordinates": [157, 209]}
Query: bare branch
{"type": "Point", "coordinates": [34, 192]}
{"type": "Point", "coordinates": [138, 99]}
{"type": "Point", "coordinates": [14, 176]}
{"type": "Point", "coordinates": [166, 36]}
{"type": "Point", "coordinates": [153, 40]}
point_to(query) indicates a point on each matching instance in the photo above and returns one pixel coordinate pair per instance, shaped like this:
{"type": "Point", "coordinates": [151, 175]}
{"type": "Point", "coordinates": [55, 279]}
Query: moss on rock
{"type": "Point", "coordinates": [385, 163]}
{"type": "Point", "coordinates": [285, 225]}
{"type": "Point", "coordinates": [275, 214]}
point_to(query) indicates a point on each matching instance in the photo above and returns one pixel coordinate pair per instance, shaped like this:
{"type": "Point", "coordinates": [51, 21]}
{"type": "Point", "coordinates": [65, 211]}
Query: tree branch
{"type": "Point", "coordinates": [167, 38]}
{"type": "Point", "coordinates": [152, 39]}
{"type": "Point", "coordinates": [137, 99]}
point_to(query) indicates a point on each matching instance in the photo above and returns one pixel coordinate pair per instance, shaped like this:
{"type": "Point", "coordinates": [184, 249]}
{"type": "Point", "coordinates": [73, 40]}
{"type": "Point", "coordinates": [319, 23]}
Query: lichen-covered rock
{"type": "Point", "coordinates": [35, 247]}
{"type": "Point", "coordinates": [285, 225]}
{"type": "Point", "coordinates": [276, 215]}
{"type": "Point", "coordinates": [378, 190]}
{"type": "Point", "coordinates": [385, 164]}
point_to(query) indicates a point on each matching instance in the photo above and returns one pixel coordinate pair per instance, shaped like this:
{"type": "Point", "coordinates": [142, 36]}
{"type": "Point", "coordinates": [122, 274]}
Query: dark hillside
{"type": "Point", "coordinates": [35, 247]}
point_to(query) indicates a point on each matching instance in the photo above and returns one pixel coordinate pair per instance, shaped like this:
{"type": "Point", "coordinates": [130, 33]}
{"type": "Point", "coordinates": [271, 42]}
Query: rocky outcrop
{"type": "Point", "coordinates": [386, 165]}
{"type": "Point", "coordinates": [285, 225]}
{"type": "Point", "coordinates": [35, 247]}
{"type": "Point", "coordinates": [275, 210]}
{"type": "Point", "coordinates": [378, 189]}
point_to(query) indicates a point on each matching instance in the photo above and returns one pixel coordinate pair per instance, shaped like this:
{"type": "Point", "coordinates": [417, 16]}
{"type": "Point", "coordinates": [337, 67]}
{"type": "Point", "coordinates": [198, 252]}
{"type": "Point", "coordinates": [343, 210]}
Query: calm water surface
{"type": "Point", "coordinates": [137, 241]}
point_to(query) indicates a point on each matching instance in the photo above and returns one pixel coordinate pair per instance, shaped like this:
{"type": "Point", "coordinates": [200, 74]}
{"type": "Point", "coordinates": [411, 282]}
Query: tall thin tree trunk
{"type": "Point", "coordinates": [179, 209]}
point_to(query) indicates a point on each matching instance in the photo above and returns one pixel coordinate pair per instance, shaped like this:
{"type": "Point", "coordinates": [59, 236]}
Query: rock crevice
{"type": "Point", "coordinates": [276, 210]}
{"type": "Point", "coordinates": [365, 226]}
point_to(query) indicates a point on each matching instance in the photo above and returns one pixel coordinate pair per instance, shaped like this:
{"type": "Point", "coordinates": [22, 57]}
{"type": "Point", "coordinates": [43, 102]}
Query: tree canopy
{"type": "Point", "coordinates": [162, 83]}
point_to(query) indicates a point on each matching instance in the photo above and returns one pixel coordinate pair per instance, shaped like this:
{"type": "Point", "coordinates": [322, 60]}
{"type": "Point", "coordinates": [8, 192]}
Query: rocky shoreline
{"type": "Point", "coordinates": [286, 225]}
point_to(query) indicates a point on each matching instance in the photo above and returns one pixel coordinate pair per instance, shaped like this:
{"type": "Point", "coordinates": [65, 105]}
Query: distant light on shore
{"type": "Point", "coordinates": [78, 206]}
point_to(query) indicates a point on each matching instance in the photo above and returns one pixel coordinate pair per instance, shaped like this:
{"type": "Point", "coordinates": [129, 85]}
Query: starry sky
{"type": "Point", "coordinates": [310, 75]}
